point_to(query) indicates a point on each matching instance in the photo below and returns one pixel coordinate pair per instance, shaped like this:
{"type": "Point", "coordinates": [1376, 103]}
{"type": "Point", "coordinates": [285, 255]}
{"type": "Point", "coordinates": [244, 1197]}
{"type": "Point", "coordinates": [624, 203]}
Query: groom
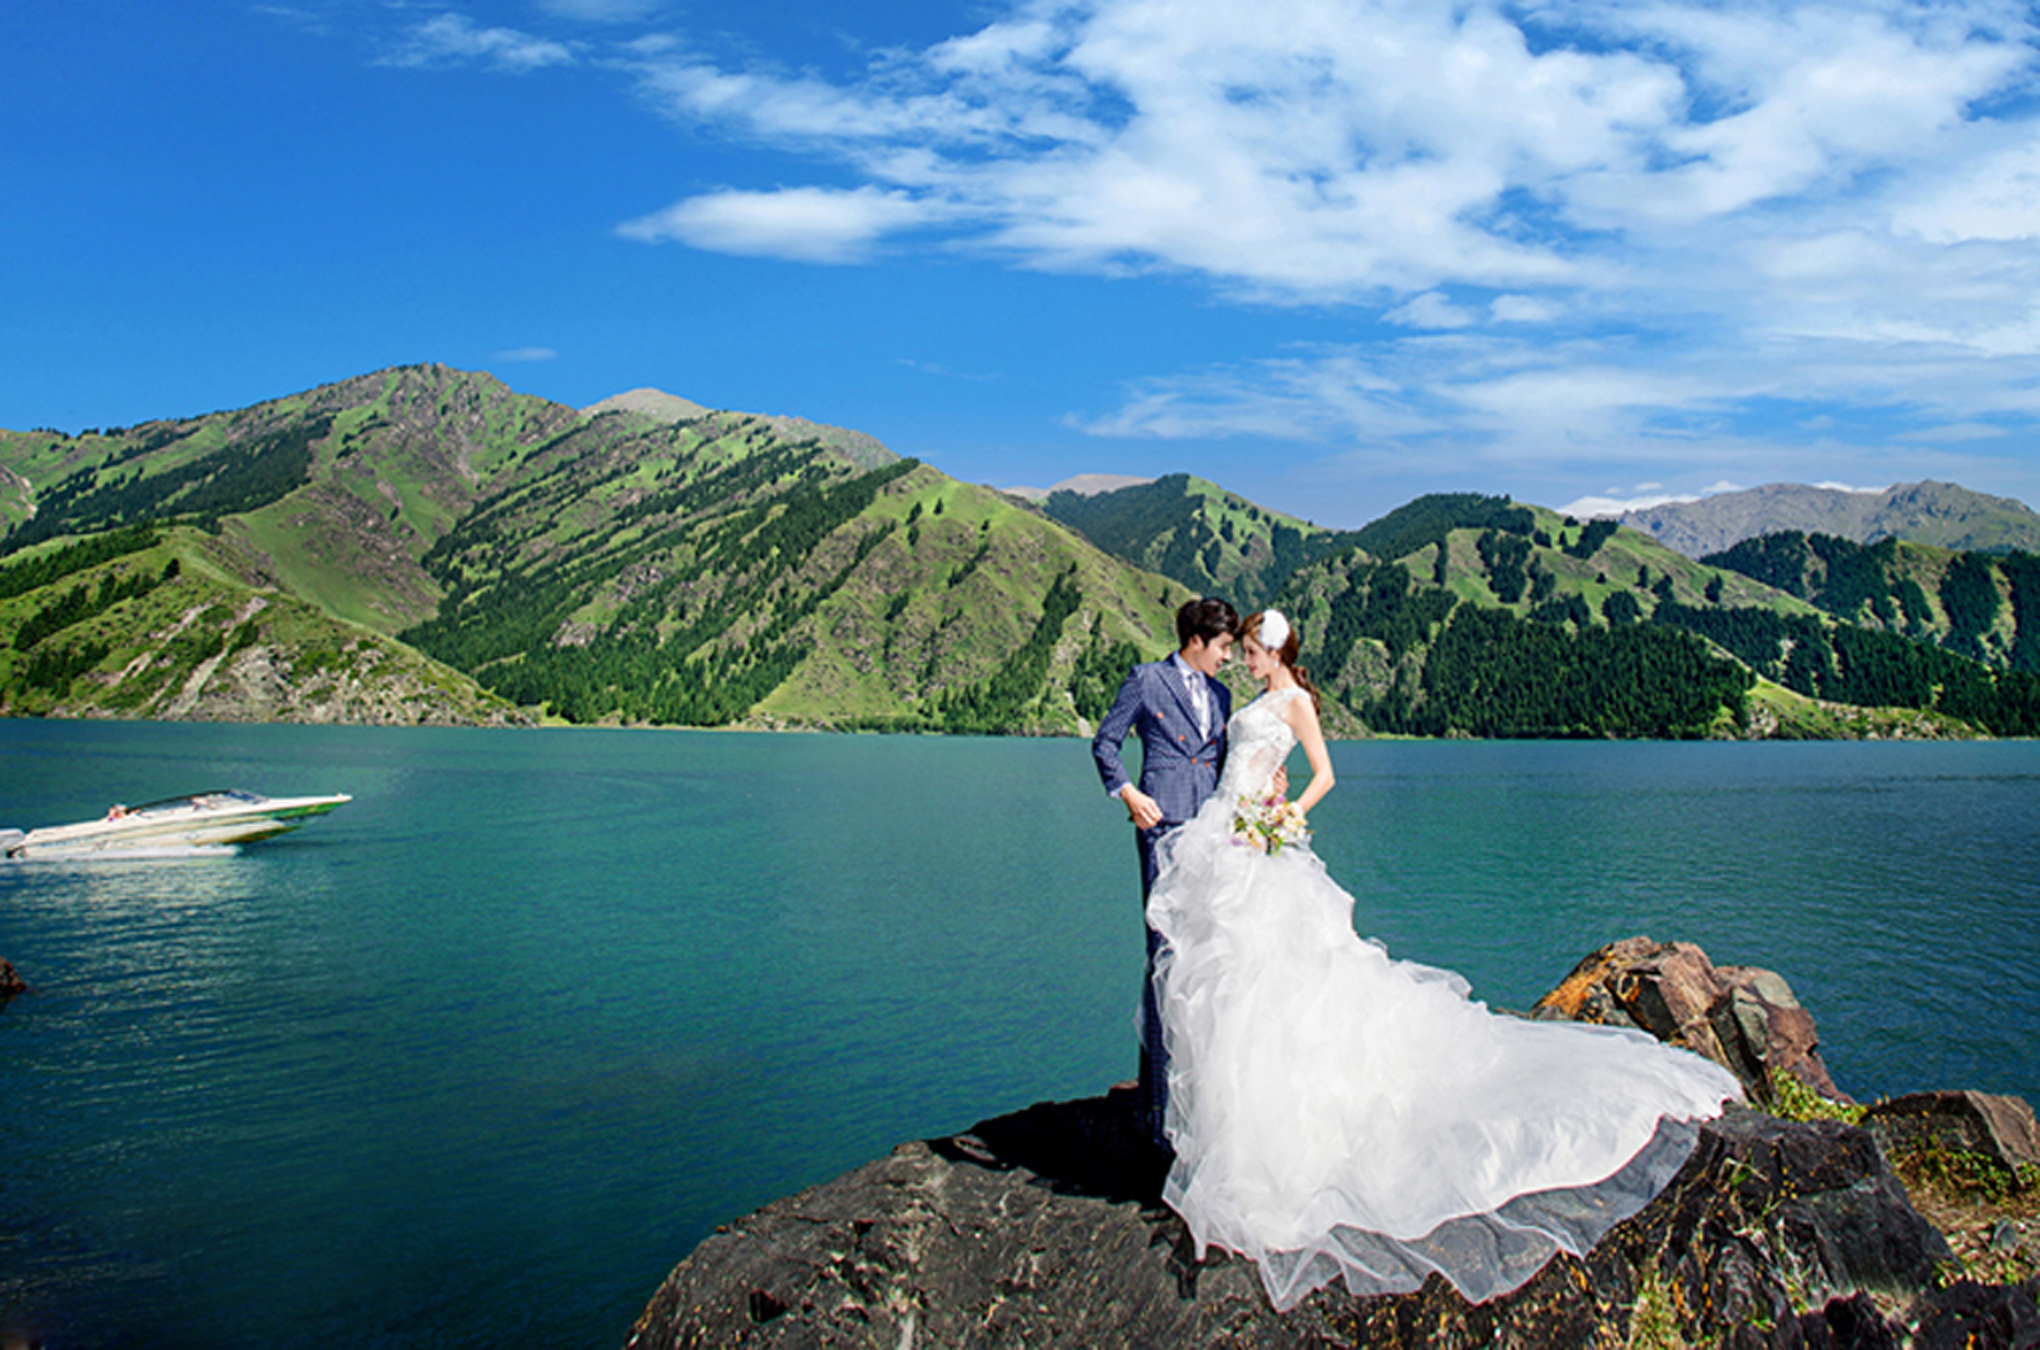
{"type": "Point", "coordinates": [1180, 709]}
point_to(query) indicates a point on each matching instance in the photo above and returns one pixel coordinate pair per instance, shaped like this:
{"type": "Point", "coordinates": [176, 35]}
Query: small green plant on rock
{"type": "Point", "coordinates": [1654, 1318]}
{"type": "Point", "coordinates": [1794, 1100]}
{"type": "Point", "coordinates": [1960, 1172]}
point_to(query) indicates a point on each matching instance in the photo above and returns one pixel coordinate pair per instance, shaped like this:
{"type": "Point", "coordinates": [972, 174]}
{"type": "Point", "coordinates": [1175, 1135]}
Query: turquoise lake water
{"type": "Point", "coordinates": [475, 1060]}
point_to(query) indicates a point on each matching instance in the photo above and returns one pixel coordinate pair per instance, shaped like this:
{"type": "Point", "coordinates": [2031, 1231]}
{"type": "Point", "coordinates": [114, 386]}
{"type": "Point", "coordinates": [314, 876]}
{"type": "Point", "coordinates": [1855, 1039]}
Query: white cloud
{"type": "Point", "coordinates": [1596, 228]}
{"type": "Point", "coordinates": [1493, 409]}
{"type": "Point", "coordinates": [805, 224]}
{"type": "Point", "coordinates": [1952, 434]}
{"type": "Point", "coordinates": [1522, 309]}
{"type": "Point", "coordinates": [1430, 310]}
{"type": "Point", "coordinates": [1346, 149]}
{"type": "Point", "coordinates": [1587, 508]}
{"type": "Point", "coordinates": [452, 39]}
{"type": "Point", "coordinates": [1329, 396]}
{"type": "Point", "coordinates": [1995, 196]}
{"type": "Point", "coordinates": [527, 354]}
{"type": "Point", "coordinates": [311, 21]}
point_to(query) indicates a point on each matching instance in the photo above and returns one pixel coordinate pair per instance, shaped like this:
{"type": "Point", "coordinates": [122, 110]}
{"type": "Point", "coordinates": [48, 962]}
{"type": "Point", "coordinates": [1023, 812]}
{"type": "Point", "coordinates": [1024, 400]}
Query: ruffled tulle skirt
{"type": "Point", "coordinates": [1337, 1113]}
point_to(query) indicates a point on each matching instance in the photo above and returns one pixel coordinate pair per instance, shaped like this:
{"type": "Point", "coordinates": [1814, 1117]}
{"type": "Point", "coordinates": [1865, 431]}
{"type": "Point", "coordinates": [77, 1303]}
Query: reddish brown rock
{"type": "Point", "coordinates": [1742, 1017]}
{"type": "Point", "coordinates": [11, 983]}
{"type": "Point", "coordinates": [2000, 1128]}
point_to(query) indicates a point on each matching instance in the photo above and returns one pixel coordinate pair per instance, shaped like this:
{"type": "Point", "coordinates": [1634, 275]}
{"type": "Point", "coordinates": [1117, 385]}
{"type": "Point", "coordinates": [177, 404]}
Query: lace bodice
{"type": "Point", "coordinates": [1257, 741]}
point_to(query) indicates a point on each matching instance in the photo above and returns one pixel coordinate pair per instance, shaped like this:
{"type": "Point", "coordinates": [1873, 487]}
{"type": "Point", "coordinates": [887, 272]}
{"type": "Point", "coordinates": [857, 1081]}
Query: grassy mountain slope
{"type": "Point", "coordinates": [332, 494]}
{"type": "Point", "coordinates": [1213, 541]}
{"type": "Point", "coordinates": [1941, 514]}
{"type": "Point", "coordinates": [744, 580]}
{"type": "Point", "coordinates": [163, 624]}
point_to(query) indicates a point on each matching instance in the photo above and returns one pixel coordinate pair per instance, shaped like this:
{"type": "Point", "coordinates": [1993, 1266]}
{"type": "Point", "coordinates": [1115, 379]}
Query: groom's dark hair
{"type": "Point", "coordinates": [1206, 619]}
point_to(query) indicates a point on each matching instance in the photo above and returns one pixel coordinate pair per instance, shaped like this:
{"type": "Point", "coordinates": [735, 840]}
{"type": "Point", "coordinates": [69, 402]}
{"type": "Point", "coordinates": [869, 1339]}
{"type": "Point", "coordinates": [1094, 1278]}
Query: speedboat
{"type": "Point", "coordinates": [206, 820]}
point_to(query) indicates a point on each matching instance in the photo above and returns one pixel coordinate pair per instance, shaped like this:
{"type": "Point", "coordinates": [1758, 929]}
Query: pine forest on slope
{"type": "Point", "coordinates": [619, 564]}
{"type": "Point", "coordinates": [423, 544]}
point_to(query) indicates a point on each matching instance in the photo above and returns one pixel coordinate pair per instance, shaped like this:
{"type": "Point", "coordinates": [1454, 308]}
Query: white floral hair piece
{"type": "Point", "coordinates": [1274, 630]}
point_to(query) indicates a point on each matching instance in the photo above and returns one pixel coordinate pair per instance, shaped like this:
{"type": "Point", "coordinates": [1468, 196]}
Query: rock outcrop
{"type": "Point", "coordinates": [10, 982]}
{"type": "Point", "coordinates": [2001, 1129]}
{"type": "Point", "coordinates": [1046, 1228]}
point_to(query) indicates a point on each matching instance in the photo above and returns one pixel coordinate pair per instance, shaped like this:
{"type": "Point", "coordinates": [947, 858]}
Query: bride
{"type": "Point", "coordinates": [1337, 1113]}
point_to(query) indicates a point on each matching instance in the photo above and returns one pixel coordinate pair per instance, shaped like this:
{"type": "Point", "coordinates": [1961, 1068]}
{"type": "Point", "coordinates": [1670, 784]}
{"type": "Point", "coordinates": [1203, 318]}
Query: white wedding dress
{"type": "Point", "coordinates": [1339, 1113]}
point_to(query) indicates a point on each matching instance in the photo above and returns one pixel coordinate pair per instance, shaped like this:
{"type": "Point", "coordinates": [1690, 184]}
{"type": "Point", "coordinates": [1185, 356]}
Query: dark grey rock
{"type": "Point", "coordinates": [1971, 1316]}
{"type": "Point", "coordinates": [1044, 1228]}
{"type": "Point", "coordinates": [10, 982]}
{"type": "Point", "coordinates": [1852, 1323]}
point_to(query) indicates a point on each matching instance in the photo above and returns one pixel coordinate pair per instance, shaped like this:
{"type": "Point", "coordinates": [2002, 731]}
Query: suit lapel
{"type": "Point", "coordinates": [1173, 678]}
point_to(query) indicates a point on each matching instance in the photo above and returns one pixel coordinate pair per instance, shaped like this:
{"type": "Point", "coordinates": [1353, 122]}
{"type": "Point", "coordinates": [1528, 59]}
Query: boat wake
{"type": "Point", "coordinates": [142, 853]}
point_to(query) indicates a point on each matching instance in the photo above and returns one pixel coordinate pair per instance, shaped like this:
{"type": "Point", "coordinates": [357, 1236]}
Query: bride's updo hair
{"type": "Point", "coordinates": [1286, 654]}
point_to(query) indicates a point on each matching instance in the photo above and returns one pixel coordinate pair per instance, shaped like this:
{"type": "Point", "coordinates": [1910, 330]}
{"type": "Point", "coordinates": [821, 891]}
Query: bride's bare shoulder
{"type": "Point", "coordinates": [1296, 706]}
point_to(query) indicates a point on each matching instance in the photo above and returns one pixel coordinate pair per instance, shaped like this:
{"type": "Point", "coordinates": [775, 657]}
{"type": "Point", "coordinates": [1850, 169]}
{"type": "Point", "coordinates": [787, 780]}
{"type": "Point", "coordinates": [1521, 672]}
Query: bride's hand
{"type": "Point", "coordinates": [1279, 784]}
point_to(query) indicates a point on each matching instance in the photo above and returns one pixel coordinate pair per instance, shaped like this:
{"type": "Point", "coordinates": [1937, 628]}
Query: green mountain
{"type": "Point", "coordinates": [1518, 622]}
{"type": "Point", "coordinates": [331, 495]}
{"type": "Point", "coordinates": [776, 584]}
{"type": "Point", "coordinates": [1979, 605]}
{"type": "Point", "coordinates": [424, 544]}
{"type": "Point", "coordinates": [1213, 541]}
{"type": "Point", "coordinates": [644, 560]}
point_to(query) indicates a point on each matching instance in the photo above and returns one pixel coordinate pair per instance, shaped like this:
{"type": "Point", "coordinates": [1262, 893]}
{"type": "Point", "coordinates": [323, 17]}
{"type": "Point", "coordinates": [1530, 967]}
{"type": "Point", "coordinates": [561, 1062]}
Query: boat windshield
{"type": "Point", "coordinates": [200, 801]}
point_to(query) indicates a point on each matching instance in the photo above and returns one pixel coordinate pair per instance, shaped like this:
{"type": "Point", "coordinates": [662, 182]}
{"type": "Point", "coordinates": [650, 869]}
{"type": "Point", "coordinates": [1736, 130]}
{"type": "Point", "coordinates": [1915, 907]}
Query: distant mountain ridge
{"type": "Point", "coordinates": [424, 544]}
{"type": "Point", "coordinates": [1942, 514]}
{"type": "Point", "coordinates": [1083, 484]}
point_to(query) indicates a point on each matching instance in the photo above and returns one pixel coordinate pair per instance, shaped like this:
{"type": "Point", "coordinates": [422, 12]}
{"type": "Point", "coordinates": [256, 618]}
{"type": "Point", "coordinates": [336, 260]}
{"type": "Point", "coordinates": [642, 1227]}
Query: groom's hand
{"type": "Point", "coordinates": [1141, 808]}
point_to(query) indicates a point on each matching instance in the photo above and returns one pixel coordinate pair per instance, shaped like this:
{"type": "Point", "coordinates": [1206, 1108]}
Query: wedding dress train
{"type": "Point", "coordinates": [1337, 1113]}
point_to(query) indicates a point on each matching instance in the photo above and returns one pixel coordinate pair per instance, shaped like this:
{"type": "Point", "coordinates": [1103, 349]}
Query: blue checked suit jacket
{"type": "Point", "coordinates": [1179, 768]}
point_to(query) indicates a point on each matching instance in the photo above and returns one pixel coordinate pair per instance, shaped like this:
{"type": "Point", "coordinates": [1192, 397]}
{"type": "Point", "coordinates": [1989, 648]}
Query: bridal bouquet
{"type": "Point", "coordinates": [1268, 824]}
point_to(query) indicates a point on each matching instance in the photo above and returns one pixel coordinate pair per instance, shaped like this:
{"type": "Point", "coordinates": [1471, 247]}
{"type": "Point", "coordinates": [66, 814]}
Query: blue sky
{"type": "Point", "coordinates": [1330, 253]}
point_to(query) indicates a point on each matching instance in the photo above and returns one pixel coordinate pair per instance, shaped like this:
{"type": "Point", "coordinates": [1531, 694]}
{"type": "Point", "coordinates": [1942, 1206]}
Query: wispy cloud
{"type": "Point", "coordinates": [527, 354]}
{"type": "Point", "coordinates": [602, 11]}
{"type": "Point", "coordinates": [1953, 434]}
{"type": "Point", "coordinates": [1343, 148]}
{"type": "Point", "coordinates": [1481, 404]}
{"type": "Point", "coordinates": [936, 368]}
{"type": "Point", "coordinates": [455, 39]}
{"type": "Point", "coordinates": [1586, 508]}
{"type": "Point", "coordinates": [1566, 232]}
{"type": "Point", "coordinates": [310, 20]}
{"type": "Point", "coordinates": [808, 224]}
